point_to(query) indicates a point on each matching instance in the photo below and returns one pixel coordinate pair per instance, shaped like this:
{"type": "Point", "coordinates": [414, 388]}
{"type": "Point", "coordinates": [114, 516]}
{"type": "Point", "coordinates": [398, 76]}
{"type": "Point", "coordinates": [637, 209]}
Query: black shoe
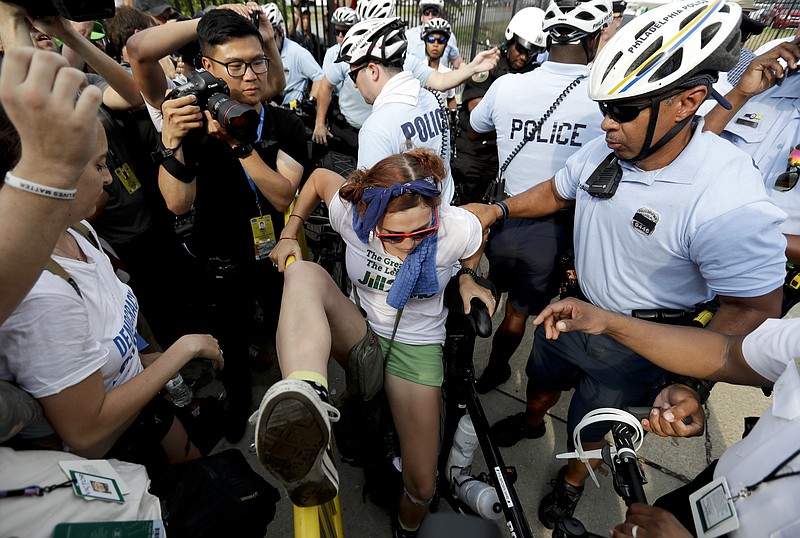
{"type": "Point", "coordinates": [399, 532]}
{"type": "Point", "coordinates": [511, 430]}
{"type": "Point", "coordinates": [560, 502]}
{"type": "Point", "coordinates": [493, 376]}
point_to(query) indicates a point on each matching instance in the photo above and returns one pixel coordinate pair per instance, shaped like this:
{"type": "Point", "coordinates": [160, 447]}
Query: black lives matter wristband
{"type": "Point", "coordinates": [179, 170]}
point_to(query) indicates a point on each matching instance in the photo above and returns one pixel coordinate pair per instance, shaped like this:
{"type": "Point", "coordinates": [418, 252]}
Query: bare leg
{"type": "Point", "coordinates": [415, 410]}
{"type": "Point", "coordinates": [538, 404]}
{"type": "Point", "coordinates": [177, 444]}
{"type": "Point", "coordinates": [316, 320]}
{"type": "Point", "coordinates": [577, 473]}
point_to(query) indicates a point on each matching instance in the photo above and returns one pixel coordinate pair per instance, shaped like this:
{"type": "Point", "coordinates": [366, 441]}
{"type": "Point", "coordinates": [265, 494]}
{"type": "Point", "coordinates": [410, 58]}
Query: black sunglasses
{"type": "Point", "coordinates": [623, 113]}
{"type": "Point", "coordinates": [354, 73]}
{"type": "Point", "coordinates": [787, 180]}
{"type": "Point", "coordinates": [433, 39]}
{"type": "Point", "coordinates": [342, 31]}
{"type": "Point", "coordinates": [431, 11]}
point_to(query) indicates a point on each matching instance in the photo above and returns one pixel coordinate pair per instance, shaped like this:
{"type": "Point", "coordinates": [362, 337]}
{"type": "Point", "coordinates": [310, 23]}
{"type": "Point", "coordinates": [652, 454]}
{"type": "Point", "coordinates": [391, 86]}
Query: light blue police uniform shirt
{"type": "Point", "coordinates": [385, 132]}
{"type": "Point", "coordinates": [299, 66]}
{"type": "Point", "coordinates": [330, 57]}
{"type": "Point", "coordinates": [767, 128]}
{"type": "Point", "coordinates": [574, 122]}
{"type": "Point", "coordinates": [674, 237]}
{"type": "Point", "coordinates": [351, 102]}
{"type": "Point", "coordinates": [416, 46]}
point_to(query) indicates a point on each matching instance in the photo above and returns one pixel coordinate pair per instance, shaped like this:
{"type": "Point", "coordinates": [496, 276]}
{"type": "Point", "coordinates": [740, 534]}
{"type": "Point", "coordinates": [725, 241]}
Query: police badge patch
{"type": "Point", "coordinates": [644, 221]}
{"type": "Point", "coordinates": [483, 76]}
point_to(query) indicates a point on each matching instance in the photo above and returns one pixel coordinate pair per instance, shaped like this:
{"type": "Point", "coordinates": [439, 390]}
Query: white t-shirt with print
{"type": "Point", "coordinates": [575, 121]}
{"type": "Point", "coordinates": [771, 510]}
{"type": "Point", "coordinates": [56, 339]}
{"type": "Point", "coordinates": [676, 236]}
{"type": "Point", "coordinates": [372, 270]}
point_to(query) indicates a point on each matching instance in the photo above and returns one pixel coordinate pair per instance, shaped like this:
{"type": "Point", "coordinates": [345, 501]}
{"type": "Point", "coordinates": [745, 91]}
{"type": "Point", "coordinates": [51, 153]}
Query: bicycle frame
{"type": "Point", "coordinates": [460, 396]}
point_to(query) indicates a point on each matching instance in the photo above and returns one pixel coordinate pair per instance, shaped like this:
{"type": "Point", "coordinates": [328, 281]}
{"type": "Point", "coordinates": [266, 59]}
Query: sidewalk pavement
{"type": "Point", "coordinates": [668, 462]}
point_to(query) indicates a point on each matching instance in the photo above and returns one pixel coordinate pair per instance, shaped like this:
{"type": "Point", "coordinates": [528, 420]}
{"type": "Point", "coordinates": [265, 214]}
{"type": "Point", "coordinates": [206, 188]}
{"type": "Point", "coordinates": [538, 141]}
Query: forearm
{"type": "Point", "coordinates": [120, 80]}
{"type": "Point", "coordinates": [276, 188]}
{"type": "Point", "coordinates": [323, 102]}
{"type": "Point", "coordinates": [14, 32]}
{"type": "Point", "coordinates": [538, 201]}
{"type": "Point", "coordinates": [308, 199]}
{"type": "Point", "coordinates": [18, 410]}
{"type": "Point", "coordinates": [451, 79]}
{"type": "Point", "coordinates": [276, 78]}
{"type": "Point", "coordinates": [178, 195]}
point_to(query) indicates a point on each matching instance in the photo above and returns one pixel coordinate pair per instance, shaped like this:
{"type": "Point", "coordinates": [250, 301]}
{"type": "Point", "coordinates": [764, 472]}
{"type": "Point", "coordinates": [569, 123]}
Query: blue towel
{"type": "Point", "coordinates": [417, 275]}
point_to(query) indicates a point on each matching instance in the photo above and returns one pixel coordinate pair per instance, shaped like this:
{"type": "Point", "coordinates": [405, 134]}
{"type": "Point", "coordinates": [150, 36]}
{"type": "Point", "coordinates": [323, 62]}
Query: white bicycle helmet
{"type": "Point", "coordinates": [273, 14]}
{"type": "Point", "coordinates": [675, 45]}
{"type": "Point", "coordinates": [436, 26]}
{"type": "Point", "coordinates": [526, 28]}
{"type": "Point", "coordinates": [568, 21]}
{"type": "Point", "coordinates": [375, 9]}
{"type": "Point", "coordinates": [438, 4]}
{"type": "Point", "coordinates": [344, 16]}
{"type": "Point", "coordinates": [378, 40]}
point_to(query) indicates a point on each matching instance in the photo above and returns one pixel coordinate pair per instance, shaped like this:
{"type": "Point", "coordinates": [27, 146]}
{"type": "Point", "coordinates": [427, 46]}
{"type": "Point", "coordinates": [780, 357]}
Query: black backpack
{"type": "Point", "coordinates": [218, 495]}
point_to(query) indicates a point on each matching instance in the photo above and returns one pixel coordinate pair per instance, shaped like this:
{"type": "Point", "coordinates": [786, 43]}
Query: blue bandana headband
{"type": "Point", "coordinates": [377, 198]}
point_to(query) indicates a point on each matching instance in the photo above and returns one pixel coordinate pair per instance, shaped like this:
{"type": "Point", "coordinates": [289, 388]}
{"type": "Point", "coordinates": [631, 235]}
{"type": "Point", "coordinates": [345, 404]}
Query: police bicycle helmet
{"type": "Point", "coordinates": [672, 47]}
{"type": "Point", "coordinates": [378, 40]}
{"type": "Point", "coordinates": [344, 16]}
{"type": "Point", "coordinates": [273, 14]}
{"type": "Point", "coordinates": [526, 28]}
{"type": "Point", "coordinates": [436, 26]}
{"type": "Point", "coordinates": [438, 4]}
{"type": "Point", "coordinates": [568, 21]}
{"type": "Point", "coordinates": [375, 9]}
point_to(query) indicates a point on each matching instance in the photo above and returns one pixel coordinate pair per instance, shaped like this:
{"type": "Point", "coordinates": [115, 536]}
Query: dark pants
{"type": "Point", "coordinates": [677, 502]}
{"type": "Point", "coordinates": [603, 372]}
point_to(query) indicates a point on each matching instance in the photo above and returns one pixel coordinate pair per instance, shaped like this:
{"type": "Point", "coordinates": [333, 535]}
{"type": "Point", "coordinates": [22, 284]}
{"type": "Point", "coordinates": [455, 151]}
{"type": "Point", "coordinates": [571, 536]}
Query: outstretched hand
{"type": "Point", "coordinates": [572, 315]}
{"type": "Point", "coordinates": [486, 60]}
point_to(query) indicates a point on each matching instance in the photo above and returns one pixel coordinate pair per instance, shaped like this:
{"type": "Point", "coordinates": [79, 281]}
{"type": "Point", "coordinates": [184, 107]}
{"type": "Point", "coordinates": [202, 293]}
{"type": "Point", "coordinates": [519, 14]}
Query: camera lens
{"type": "Point", "coordinates": [239, 121]}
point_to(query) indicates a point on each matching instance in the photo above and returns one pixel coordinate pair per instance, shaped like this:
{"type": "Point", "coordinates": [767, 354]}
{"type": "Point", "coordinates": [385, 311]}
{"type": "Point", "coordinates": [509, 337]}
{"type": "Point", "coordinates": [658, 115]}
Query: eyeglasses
{"type": "Point", "coordinates": [238, 68]}
{"type": "Point", "coordinates": [354, 73]}
{"type": "Point", "coordinates": [431, 12]}
{"type": "Point", "coordinates": [787, 180]}
{"type": "Point", "coordinates": [433, 39]}
{"type": "Point", "coordinates": [623, 113]}
{"type": "Point", "coordinates": [340, 31]}
{"type": "Point", "coordinates": [419, 235]}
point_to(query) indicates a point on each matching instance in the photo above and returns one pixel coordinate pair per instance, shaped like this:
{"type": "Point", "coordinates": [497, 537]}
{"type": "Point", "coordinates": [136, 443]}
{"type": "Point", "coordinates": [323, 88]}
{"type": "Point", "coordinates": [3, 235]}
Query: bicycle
{"type": "Point", "coordinates": [626, 469]}
{"type": "Point", "coordinates": [460, 397]}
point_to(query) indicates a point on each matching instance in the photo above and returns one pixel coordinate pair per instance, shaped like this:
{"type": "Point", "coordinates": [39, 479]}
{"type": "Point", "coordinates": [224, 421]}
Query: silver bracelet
{"type": "Point", "coordinates": [38, 188]}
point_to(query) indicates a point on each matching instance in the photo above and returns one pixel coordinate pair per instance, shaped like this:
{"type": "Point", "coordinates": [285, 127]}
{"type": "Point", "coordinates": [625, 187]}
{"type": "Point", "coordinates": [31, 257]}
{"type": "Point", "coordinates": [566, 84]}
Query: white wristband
{"type": "Point", "coordinates": [38, 188]}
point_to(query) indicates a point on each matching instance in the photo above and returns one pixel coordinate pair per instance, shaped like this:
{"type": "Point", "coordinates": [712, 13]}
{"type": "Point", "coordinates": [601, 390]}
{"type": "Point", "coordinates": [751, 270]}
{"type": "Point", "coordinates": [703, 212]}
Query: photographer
{"type": "Point", "coordinates": [237, 190]}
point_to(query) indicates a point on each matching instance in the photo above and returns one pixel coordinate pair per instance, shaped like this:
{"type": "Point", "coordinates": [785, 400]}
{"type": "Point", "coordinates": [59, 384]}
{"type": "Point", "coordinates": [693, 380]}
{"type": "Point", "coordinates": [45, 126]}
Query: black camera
{"type": "Point", "coordinates": [74, 10]}
{"type": "Point", "coordinates": [212, 93]}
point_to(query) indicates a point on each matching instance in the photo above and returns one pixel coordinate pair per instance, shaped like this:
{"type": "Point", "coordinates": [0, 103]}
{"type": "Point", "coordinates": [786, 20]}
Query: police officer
{"type": "Point", "coordinates": [299, 65]}
{"type": "Point", "coordinates": [657, 231]}
{"type": "Point", "coordinates": [476, 162]}
{"type": "Point", "coordinates": [522, 254]}
{"type": "Point", "coordinates": [432, 9]}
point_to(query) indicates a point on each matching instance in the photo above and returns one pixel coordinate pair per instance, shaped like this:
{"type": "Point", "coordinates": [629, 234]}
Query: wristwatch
{"type": "Point", "coordinates": [242, 151]}
{"type": "Point", "coordinates": [702, 388]}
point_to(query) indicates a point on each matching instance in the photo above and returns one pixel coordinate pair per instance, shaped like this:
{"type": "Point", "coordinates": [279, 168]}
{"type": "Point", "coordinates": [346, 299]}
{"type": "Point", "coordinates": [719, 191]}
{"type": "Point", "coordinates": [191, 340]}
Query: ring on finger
{"type": "Point", "coordinates": [634, 530]}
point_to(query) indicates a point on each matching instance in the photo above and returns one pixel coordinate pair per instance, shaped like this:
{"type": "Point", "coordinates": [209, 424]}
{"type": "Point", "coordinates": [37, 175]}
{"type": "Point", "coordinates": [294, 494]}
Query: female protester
{"type": "Point", "coordinates": [72, 344]}
{"type": "Point", "coordinates": [402, 249]}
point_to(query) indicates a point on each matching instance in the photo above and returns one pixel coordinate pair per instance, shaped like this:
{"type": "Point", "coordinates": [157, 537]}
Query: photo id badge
{"type": "Point", "coordinates": [263, 236]}
{"type": "Point", "coordinates": [90, 486]}
{"type": "Point", "coordinates": [713, 510]}
{"type": "Point", "coordinates": [128, 178]}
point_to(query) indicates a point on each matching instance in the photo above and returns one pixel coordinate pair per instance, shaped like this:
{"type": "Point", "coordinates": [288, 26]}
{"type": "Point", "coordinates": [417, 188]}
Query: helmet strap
{"type": "Point", "coordinates": [647, 149]}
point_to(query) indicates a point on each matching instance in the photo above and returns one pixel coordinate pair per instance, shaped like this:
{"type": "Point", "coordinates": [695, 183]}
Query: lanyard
{"type": "Point", "coordinates": [748, 490]}
{"type": "Point", "coordinates": [249, 179]}
{"type": "Point", "coordinates": [34, 491]}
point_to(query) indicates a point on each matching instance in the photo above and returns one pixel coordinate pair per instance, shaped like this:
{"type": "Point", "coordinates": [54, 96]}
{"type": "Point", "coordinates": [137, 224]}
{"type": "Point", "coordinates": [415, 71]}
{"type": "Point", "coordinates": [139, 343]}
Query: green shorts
{"type": "Point", "coordinates": [418, 363]}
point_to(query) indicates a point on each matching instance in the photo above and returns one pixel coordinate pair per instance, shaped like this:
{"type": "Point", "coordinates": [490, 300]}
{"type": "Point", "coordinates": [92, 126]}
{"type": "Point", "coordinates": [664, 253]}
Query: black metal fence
{"type": "Point", "coordinates": [480, 24]}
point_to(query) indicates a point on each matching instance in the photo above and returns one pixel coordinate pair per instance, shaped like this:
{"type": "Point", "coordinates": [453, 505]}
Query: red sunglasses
{"type": "Point", "coordinates": [419, 235]}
